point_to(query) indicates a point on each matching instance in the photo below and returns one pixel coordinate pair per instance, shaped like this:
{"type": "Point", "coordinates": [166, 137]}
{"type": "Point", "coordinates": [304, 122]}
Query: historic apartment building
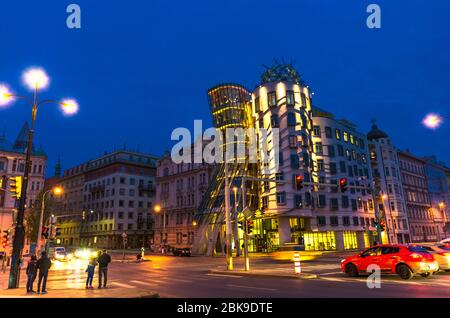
{"type": "Point", "coordinates": [106, 197]}
{"type": "Point", "coordinates": [422, 224]}
{"type": "Point", "coordinates": [180, 189]}
{"type": "Point", "coordinates": [387, 177]}
{"type": "Point", "coordinates": [12, 163]}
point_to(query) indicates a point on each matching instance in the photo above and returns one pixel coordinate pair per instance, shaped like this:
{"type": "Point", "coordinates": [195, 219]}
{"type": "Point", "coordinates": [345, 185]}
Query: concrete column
{"type": "Point", "coordinates": [339, 240]}
{"type": "Point", "coordinates": [360, 239]}
{"type": "Point", "coordinates": [284, 230]}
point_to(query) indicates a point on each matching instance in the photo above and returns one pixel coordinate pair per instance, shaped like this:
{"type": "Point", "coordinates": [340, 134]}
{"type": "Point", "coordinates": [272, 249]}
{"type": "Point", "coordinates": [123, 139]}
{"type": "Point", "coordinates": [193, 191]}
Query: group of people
{"type": "Point", "coordinates": [40, 267]}
{"type": "Point", "coordinates": [102, 259]}
{"type": "Point", "coordinates": [34, 266]}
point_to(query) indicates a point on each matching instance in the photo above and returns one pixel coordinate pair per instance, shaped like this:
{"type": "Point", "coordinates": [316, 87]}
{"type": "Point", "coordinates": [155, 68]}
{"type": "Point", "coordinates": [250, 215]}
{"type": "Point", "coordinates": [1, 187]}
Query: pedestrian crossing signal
{"type": "Point", "coordinates": [15, 186]}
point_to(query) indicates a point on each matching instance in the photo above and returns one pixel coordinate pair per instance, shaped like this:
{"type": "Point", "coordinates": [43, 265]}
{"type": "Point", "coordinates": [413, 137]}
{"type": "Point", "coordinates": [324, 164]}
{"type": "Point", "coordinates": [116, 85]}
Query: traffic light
{"type": "Point", "coordinates": [382, 225]}
{"type": "Point", "coordinates": [15, 186]}
{"type": "Point", "coordinates": [57, 231]}
{"type": "Point", "coordinates": [343, 183]}
{"type": "Point", "coordinates": [249, 226]}
{"type": "Point", "coordinates": [5, 238]}
{"type": "Point", "coordinates": [298, 182]}
{"type": "Point", "coordinates": [45, 230]}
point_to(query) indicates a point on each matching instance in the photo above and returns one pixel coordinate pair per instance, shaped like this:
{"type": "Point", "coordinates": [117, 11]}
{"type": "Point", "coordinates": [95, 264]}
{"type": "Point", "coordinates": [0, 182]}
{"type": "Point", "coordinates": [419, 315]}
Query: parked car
{"type": "Point", "coordinates": [441, 253]}
{"type": "Point", "coordinates": [446, 241]}
{"type": "Point", "coordinates": [404, 260]}
{"type": "Point", "coordinates": [182, 251]}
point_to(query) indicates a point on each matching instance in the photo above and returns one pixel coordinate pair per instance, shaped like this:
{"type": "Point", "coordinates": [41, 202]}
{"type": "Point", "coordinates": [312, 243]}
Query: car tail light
{"type": "Point", "coordinates": [416, 256]}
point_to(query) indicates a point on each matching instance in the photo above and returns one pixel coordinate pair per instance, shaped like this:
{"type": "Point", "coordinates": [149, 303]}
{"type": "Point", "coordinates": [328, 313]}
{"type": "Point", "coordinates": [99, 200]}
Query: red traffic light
{"type": "Point", "coordinates": [298, 182]}
{"type": "Point", "coordinates": [343, 184]}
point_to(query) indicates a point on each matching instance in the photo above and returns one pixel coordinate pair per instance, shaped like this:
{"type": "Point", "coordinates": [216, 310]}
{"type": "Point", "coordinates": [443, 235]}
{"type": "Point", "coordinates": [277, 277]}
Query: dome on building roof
{"type": "Point", "coordinates": [376, 133]}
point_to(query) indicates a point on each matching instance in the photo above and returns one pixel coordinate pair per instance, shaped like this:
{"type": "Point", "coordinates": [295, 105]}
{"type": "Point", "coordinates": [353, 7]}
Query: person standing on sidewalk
{"type": "Point", "coordinates": [91, 270]}
{"type": "Point", "coordinates": [103, 260]}
{"type": "Point", "coordinates": [43, 265]}
{"type": "Point", "coordinates": [31, 273]}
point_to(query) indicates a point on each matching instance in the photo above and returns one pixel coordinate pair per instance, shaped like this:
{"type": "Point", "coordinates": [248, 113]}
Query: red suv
{"type": "Point", "coordinates": [404, 260]}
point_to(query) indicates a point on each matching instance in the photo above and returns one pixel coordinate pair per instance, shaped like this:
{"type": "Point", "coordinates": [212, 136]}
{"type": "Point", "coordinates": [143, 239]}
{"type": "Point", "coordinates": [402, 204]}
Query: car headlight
{"type": "Point", "coordinates": [342, 260]}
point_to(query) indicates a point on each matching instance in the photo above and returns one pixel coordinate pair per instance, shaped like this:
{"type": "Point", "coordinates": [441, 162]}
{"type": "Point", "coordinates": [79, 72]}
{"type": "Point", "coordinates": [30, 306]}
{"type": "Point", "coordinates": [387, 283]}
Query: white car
{"type": "Point", "coordinates": [441, 253]}
{"type": "Point", "coordinates": [446, 241]}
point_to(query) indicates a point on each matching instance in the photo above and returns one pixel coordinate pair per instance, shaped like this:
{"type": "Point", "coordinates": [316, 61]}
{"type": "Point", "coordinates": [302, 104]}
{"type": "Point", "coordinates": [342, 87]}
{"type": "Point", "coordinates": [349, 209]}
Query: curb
{"type": "Point", "coordinates": [249, 274]}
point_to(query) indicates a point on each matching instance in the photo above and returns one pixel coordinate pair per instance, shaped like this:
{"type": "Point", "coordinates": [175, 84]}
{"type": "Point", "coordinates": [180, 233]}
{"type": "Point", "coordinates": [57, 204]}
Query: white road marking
{"type": "Point", "coordinates": [144, 283]}
{"type": "Point", "coordinates": [251, 287]}
{"type": "Point", "coordinates": [223, 275]}
{"type": "Point", "coordinates": [177, 279]}
{"type": "Point", "coordinates": [330, 273]}
{"type": "Point", "coordinates": [123, 285]}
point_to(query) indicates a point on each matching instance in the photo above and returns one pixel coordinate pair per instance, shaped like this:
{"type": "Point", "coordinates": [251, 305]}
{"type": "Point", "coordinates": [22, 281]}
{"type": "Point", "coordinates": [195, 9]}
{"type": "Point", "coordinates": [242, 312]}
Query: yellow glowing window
{"type": "Point", "coordinates": [345, 134]}
{"type": "Point", "coordinates": [350, 240]}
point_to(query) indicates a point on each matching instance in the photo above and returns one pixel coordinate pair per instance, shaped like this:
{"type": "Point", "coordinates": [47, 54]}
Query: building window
{"type": "Point", "coordinates": [274, 120]}
{"type": "Point", "coordinates": [316, 131]}
{"type": "Point", "coordinates": [272, 99]}
{"type": "Point", "coordinates": [331, 152]}
{"type": "Point", "coordinates": [319, 148]}
{"type": "Point", "coordinates": [298, 201]}
{"type": "Point", "coordinates": [345, 136]}
{"type": "Point", "coordinates": [293, 141]}
{"type": "Point", "coordinates": [334, 221]}
{"type": "Point", "coordinates": [354, 205]}
{"type": "Point", "coordinates": [281, 197]}
{"type": "Point", "coordinates": [337, 134]}
{"type": "Point", "coordinates": [334, 204]}
{"type": "Point", "coordinates": [333, 168]}
{"type": "Point", "coordinates": [320, 165]}
{"type": "Point", "coordinates": [321, 221]}
{"type": "Point", "coordinates": [345, 202]}
{"type": "Point", "coordinates": [328, 132]}
{"type": "Point", "coordinates": [346, 220]}
{"type": "Point", "coordinates": [291, 119]}
{"type": "Point", "coordinates": [257, 106]}
{"type": "Point", "coordinates": [322, 200]}
{"type": "Point", "coordinates": [290, 98]}
{"type": "Point", "coordinates": [342, 167]}
{"type": "Point", "coordinates": [294, 161]}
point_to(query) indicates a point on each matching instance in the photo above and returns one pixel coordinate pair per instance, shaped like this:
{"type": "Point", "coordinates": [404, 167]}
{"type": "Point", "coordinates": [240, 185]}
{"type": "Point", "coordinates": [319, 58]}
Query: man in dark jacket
{"type": "Point", "coordinates": [43, 264]}
{"type": "Point", "coordinates": [31, 273]}
{"type": "Point", "coordinates": [103, 261]}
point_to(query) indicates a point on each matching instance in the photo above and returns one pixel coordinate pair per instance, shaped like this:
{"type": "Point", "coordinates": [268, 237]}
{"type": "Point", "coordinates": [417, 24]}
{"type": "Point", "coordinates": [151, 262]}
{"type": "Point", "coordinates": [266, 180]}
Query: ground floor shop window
{"type": "Point", "coordinates": [350, 240]}
{"type": "Point", "coordinates": [320, 241]}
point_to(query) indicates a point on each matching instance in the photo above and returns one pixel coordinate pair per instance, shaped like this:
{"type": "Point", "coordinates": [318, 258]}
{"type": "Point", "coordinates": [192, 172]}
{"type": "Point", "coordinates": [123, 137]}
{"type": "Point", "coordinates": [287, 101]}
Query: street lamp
{"type": "Point", "coordinates": [444, 215]}
{"type": "Point", "coordinates": [236, 240]}
{"type": "Point", "coordinates": [57, 191]}
{"type": "Point", "coordinates": [433, 121]}
{"type": "Point", "coordinates": [157, 209]}
{"type": "Point", "coordinates": [34, 79]}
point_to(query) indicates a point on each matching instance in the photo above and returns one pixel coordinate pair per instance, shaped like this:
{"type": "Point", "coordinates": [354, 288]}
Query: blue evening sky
{"type": "Point", "coordinates": [141, 68]}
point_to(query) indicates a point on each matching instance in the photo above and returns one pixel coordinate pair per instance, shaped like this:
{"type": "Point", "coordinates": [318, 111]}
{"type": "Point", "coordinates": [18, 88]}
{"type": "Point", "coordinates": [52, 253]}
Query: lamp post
{"type": "Point", "coordinates": [236, 227]}
{"type": "Point", "coordinates": [34, 79]}
{"type": "Point", "coordinates": [157, 209]}
{"type": "Point", "coordinates": [444, 216]}
{"type": "Point", "coordinates": [56, 190]}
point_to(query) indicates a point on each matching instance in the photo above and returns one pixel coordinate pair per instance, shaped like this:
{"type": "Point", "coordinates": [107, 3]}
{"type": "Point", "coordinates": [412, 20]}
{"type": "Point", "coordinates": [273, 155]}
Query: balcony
{"type": "Point", "coordinates": [150, 189]}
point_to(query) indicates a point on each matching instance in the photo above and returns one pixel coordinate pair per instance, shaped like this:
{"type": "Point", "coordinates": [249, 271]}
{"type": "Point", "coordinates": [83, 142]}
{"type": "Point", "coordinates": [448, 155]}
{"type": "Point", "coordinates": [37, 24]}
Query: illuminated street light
{"type": "Point", "coordinates": [35, 78]}
{"type": "Point", "coordinates": [69, 107]}
{"type": "Point", "coordinates": [441, 205]}
{"type": "Point", "coordinates": [157, 208]}
{"type": "Point", "coordinates": [432, 121]}
{"type": "Point", "coordinates": [57, 190]}
{"type": "Point", "coordinates": [5, 95]}
{"type": "Point", "coordinates": [194, 223]}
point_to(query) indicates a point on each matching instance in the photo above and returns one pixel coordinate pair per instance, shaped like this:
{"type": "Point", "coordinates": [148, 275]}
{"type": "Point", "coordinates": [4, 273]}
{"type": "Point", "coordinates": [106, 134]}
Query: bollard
{"type": "Point", "coordinates": [297, 266]}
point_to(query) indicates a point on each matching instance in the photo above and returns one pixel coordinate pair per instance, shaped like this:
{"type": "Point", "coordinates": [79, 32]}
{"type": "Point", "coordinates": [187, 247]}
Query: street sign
{"type": "Point", "coordinates": [124, 235]}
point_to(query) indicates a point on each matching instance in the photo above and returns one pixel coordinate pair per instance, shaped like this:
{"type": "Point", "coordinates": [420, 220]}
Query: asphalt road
{"type": "Point", "coordinates": [171, 276]}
